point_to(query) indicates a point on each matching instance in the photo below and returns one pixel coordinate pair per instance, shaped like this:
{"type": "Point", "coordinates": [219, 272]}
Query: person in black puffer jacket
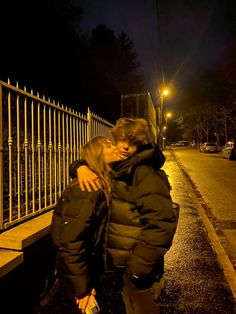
{"type": "Point", "coordinates": [141, 223]}
{"type": "Point", "coordinates": [78, 226]}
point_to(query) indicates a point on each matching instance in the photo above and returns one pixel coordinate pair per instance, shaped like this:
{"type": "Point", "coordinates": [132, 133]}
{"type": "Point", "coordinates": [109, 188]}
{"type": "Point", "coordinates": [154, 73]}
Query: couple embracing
{"type": "Point", "coordinates": [116, 217]}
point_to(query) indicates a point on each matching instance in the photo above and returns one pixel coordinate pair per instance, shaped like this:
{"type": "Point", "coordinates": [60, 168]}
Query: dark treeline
{"type": "Point", "coordinates": [203, 96]}
{"type": "Point", "coordinates": [41, 49]}
{"type": "Point", "coordinates": [208, 106]}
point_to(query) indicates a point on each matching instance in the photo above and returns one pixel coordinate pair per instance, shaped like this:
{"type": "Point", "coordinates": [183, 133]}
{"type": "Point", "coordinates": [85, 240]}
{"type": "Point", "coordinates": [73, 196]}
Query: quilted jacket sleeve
{"type": "Point", "coordinates": [154, 203]}
{"type": "Point", "coordinates": [71, 233]}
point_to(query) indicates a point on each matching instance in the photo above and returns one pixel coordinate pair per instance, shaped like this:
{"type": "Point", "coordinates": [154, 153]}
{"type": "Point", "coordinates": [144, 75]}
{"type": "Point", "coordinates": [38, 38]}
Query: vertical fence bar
{"type": "Point", "coordinates": [71, 144]}
{"type": "Point", "coordinates": [55, 152]}
{"type": "Point", "coordinates": [50, 146]}
{"type": "Point", "coordinates": [67, 150]}
{"type": "Point", "coordinates": [32, 153]}
{"type": "Point", "coordinates": [80, 133]}
{"type": "Point", "coordinates": [59, 151]}
{"type": "Point", "coordinates": [18, 153]}
{"type": "Point", "coordinates": [1, 161]}
{"type": "Point", "coordinates": [26, 143]}
{"type": "Point", "coordinates": [77, 138]}
{"type": "Point", "coordinates": [45, 155]}
{"type": "Point", "coordinates": [74, 138]}
{"type": "Point", "coordinates": [39, 157]}
{"type": "Point", "coordinates": [84, 130]}
{"type": "Point", "coordinates": [89, 125]}
{"type": "Point", "coordinates": [9, 153]}
{"type": "Point", "coordinates": [63, 151]}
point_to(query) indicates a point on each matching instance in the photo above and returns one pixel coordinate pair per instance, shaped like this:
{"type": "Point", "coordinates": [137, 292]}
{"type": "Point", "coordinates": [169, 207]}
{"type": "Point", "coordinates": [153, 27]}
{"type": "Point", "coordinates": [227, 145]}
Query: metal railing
{"type": "Point", "coordinates": [39, 139]}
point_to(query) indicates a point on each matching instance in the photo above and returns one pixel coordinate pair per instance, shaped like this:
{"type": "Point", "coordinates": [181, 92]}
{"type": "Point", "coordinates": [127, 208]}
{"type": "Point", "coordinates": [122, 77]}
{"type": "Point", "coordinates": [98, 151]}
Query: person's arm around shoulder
{"type": "Point", "coordinates": [88, 180]}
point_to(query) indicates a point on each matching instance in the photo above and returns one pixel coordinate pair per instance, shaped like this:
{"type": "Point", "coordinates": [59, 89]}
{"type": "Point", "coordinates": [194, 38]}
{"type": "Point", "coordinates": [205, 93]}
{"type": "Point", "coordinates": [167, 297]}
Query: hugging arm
{"type": "Point", "coordinates": [87, 179]}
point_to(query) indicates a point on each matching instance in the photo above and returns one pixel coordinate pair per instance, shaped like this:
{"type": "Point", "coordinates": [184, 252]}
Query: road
{"type": "Point", "coordinates": [214, 178]}
{"type": "Point", "coordinates": [195, 282]}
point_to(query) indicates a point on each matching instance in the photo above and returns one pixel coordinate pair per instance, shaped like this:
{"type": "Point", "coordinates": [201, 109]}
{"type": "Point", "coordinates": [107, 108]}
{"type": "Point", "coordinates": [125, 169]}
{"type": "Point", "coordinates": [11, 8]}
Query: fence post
{"type": "Point", "coordinates": [1, 162]}
{"type": "Point", "coordinates": [89, 125]}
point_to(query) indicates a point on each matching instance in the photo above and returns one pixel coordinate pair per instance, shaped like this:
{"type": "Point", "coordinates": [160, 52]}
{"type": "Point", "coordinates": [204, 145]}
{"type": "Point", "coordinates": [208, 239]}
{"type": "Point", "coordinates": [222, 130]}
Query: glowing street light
{"type": "Point", "coordinates": [164, 93]}
{"type": "Point", "coordinates": [168, 115]}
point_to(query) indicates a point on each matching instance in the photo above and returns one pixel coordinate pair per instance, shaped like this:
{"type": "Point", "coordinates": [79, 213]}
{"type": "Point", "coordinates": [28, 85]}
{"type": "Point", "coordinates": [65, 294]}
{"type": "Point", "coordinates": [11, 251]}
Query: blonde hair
{"type": "Point", "coordinates": [92, 153]}
{"type": "Point", "coordinates": [135, 130]}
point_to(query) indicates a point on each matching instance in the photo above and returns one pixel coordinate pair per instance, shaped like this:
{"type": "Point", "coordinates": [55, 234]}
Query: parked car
{"type": "Point", "coordinates": [210, 147]}
{"type": "Point", "coordinates": [180, 143]}
{"type": "Point", "coordinates": [229, 151]}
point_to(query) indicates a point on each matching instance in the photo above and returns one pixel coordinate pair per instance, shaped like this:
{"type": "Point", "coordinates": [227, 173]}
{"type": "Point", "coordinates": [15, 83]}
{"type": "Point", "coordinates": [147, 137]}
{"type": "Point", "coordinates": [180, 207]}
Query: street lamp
{"type": "Point", "coordinates": [167, 116]}
{"type": "Point", "coordinates": [164, 93]}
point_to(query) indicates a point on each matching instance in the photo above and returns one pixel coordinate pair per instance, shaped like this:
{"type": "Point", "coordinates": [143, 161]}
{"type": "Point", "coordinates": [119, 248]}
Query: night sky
{"type": "Point", "coordinates": [174, 39]}
{"type": "Point", "coordinates": [137, 18]}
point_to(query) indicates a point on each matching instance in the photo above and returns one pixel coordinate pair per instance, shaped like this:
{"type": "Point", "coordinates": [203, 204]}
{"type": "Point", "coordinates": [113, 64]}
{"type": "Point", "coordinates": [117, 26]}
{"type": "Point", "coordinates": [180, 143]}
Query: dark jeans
{"type": "Point", "coordinates": [142, 301]}
{"type": "Point", "coordinates": [115, 297]}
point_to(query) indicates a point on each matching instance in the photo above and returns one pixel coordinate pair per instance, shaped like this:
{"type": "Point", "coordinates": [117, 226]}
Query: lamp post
{"type": "Point", "coordinates": [164, 93]}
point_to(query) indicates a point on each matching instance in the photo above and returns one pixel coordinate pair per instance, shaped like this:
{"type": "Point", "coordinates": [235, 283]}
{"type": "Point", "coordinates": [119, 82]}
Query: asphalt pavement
{"type": "Point", "coordinates": [198, 273]}
{"type": "Point", "coordinates": [205, 175]}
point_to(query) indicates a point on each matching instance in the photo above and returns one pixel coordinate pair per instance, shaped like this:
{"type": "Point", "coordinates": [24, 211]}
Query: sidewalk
{"type": "Point", "coordinates": [179, 180]}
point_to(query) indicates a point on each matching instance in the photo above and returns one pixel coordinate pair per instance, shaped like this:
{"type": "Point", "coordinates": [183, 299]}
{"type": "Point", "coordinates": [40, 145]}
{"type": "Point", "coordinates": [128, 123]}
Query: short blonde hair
{"type": "Point", "coordinates": [135, 130]}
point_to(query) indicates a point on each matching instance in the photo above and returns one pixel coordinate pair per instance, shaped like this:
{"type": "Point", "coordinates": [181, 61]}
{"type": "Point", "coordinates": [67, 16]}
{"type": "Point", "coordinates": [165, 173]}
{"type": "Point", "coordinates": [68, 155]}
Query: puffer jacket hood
{"type": "Point", "coordinates": [152, 156]}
